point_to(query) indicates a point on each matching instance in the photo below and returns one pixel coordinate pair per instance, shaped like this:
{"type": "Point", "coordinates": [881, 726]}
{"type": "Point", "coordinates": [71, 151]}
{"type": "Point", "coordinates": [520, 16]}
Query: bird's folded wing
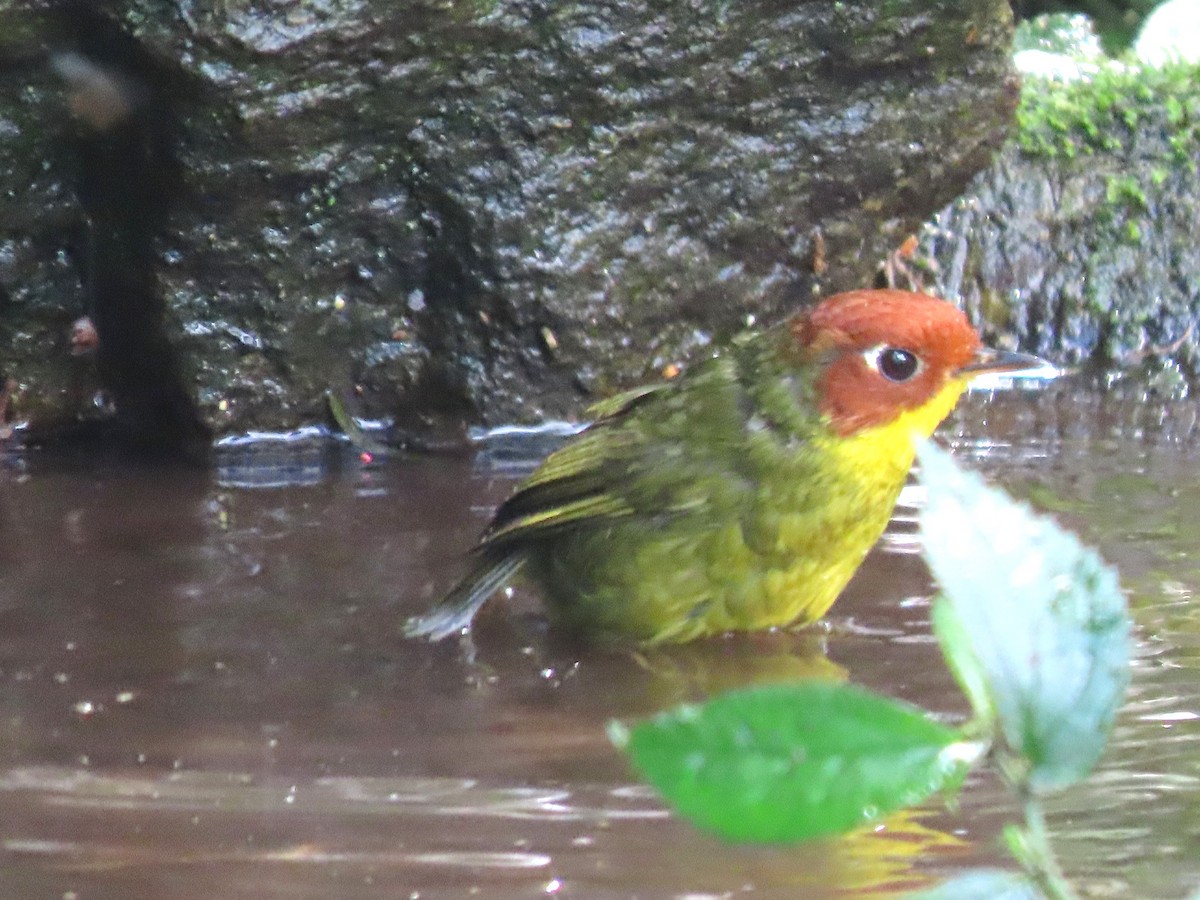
{"type": "Point", "coordinates": [636, 459]}
{"type": "Point", "coordinates": [572, 487]}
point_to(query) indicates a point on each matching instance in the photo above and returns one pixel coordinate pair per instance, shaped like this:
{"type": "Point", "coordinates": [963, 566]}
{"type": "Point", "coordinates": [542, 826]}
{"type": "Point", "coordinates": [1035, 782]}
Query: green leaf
{"type": "Point", "coordinates": [788, 762]}
{"type": "Point", "coordinates": [1045, 619]}
{"type": "Point", "coordinates": [955, 641]}
{"type": "Point", "coordinates": [983, 884]}
{"type": "Point", "coordinates": [351, 428]}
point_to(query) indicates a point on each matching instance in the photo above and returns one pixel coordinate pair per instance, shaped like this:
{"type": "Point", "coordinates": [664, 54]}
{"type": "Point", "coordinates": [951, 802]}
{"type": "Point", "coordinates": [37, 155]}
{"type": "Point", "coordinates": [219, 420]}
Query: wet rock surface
{"type": "Point", "coordinates": [1079, 243]}
{"type": "Point", "coordinates": [470, 212]}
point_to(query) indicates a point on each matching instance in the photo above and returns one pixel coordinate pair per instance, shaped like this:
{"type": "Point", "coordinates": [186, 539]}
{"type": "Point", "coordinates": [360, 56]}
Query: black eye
{"type": "Point", "coordinates": [896, 364]}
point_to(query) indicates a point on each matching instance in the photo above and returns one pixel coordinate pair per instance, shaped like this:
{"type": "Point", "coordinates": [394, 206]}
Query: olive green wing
{"type": "Point", "coordinates": [592, 480]}
{"type": "Point", "coordinates": [569, 488]}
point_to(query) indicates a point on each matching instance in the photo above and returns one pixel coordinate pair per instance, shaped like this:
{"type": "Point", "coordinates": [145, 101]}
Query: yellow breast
{"type": "Point", "coordinates": [820, 553]}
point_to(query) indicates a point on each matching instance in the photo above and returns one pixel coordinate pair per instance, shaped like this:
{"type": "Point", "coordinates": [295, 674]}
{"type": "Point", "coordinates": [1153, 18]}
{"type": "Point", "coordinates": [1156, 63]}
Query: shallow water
{"type": "Point", "coordinates": [205, 693]}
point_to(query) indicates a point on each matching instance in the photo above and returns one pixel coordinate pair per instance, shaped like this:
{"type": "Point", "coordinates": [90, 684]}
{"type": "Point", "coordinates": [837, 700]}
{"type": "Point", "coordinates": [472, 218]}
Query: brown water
{"type": "Point", "coordinates": [205, 694]}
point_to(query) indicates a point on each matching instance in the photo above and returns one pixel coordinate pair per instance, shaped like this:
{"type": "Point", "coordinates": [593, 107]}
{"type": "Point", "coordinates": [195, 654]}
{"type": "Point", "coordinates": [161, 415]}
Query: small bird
{"type": "Point", "coordinates": [741, 496]}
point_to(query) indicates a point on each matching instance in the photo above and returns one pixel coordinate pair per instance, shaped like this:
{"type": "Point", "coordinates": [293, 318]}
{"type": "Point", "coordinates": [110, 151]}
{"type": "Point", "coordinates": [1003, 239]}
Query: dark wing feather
{"type": "Point", "coordinates": [575, 483]}
{"type": "Point", "coordinates": [458, 608]}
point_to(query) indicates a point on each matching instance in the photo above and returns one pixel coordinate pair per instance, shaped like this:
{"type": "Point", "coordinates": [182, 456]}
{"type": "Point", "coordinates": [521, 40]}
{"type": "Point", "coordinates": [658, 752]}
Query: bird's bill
{"type": "Point", "coordinates": [988, 360]}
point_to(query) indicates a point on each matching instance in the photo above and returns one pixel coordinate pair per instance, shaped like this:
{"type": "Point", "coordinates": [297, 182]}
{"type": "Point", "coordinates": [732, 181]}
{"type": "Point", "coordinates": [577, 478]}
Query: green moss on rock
{"type": "Point", "coordinates": [1080, 242]}
{"type": "Point", "coordinates": [1108, 110]}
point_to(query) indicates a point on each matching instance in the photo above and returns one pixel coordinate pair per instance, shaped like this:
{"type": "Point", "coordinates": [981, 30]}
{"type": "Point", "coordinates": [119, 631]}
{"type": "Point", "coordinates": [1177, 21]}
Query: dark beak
{"type": "Point", "coordinates": [988, 360]}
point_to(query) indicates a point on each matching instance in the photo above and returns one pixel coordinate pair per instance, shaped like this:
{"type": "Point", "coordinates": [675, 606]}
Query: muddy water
{"type": "Point", "coordinates": [204, 692]}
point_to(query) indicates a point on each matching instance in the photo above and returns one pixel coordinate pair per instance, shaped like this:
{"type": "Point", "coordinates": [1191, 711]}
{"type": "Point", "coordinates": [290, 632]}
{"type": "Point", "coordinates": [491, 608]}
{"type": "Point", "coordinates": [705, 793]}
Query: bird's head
{"type": "Point", "coordinates": [880, 353]}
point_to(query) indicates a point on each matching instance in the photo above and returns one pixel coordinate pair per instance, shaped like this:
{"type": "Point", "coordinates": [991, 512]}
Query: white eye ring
{"type": "Point", "coordinates": [896, 364]}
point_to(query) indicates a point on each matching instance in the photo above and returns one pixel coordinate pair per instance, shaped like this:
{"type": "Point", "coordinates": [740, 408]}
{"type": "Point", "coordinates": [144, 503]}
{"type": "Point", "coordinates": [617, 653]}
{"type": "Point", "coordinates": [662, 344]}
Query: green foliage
{"type": "Point", "coordinates": [1106, 111]}
{"type": "Point", "coordinates": [1061, 33]}
{"type": "Point", "coordinates": [963, 661]}
{"type": "Point", "coordinates": [1116, 20]}
{"type": "Point", "coordinates": [789, 762]}
{"type": "Point", "coordinates": [1125, 190]}
{"type": "Point", "coordinates": [1044, 618]}
{"type": "Point", "coordinates": [1035, 629]}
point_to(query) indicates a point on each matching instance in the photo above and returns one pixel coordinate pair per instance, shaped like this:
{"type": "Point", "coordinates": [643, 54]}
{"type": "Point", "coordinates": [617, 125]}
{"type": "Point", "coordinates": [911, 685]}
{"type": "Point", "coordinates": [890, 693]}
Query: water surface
{"type": "Point", "coordinates": [205, 692]}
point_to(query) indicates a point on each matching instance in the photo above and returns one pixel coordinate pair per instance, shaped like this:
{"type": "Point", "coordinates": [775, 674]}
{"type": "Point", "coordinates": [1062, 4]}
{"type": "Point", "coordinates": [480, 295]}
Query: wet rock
{"type": "Point", "coordinates": [483, 211]}
{"type": "Point", "coordinates": [1080, 242]}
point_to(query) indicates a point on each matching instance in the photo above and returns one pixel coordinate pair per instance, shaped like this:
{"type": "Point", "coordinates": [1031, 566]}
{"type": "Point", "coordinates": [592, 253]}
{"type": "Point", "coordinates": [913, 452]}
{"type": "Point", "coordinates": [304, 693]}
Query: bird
{"type": "Point", "coordinates": [740, 496]}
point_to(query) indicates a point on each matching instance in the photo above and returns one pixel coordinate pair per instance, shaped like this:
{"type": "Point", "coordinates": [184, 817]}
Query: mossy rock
{"type": "Point", "coordinates": [1080, 242]}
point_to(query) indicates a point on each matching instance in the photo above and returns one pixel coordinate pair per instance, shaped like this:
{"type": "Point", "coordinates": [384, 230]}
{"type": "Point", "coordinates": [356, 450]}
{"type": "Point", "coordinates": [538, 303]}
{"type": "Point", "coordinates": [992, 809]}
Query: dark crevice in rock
{"type": "Point", "coordinates": [127, 177]}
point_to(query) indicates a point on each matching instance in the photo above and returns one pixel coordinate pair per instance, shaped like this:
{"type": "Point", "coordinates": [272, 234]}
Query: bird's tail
{"type": "Point", "coordinates": [457, 609]}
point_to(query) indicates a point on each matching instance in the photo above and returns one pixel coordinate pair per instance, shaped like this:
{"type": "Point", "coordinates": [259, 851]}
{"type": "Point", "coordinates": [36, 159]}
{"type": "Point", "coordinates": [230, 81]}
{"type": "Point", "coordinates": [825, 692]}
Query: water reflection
{"type": "Point", "coordinates": [432, 833]}
{"type": "Point", "coordinates": [205, 692]}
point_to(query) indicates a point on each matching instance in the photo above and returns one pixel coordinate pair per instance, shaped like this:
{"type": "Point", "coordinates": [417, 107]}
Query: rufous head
{"type": "Point", "coordinates": [882, 352]}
